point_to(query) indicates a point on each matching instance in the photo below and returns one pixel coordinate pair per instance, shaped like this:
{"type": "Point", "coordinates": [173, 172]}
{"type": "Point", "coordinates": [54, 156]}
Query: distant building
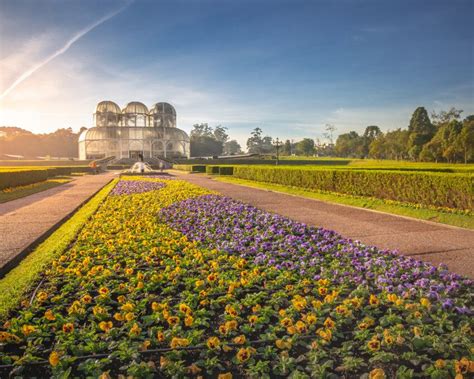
{"type": "Point", "coordinates": [133, 131]}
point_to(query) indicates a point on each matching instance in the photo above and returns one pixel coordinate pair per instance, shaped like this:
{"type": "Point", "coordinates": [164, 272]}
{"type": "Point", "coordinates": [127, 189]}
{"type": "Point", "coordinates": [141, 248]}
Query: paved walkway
{"type": "Point", "coordinates": [427, 241]}
{"type": "Point", "coordinates": [26, 221]}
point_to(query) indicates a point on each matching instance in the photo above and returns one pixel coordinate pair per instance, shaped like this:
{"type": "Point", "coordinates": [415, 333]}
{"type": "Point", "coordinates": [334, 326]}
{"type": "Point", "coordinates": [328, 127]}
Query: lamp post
{"type": "Point", "coordinates": [277, 145]}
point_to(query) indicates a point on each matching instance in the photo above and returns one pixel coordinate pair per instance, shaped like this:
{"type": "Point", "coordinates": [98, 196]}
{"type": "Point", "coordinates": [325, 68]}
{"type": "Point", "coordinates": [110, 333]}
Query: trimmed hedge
{"type": "Point", "coordinates": [432, 189]}
{"type": "Point", "coordinates": [16, 178]}
{"type": "Point", "coordinates": [226, 170]}
{"type": "Point", "coordinates": [212, 170]}
{"type": "Point", "coordinates": [190, 168]}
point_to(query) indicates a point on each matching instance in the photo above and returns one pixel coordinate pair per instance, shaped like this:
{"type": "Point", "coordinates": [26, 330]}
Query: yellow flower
{"type": "Point", "coordinates": [231, 325]}
{"type": "Point", "coordinates": [374, 344]}
{"type": "Point", "coordinates": [325, 334]}
{"type": "Point", "coordinates": [121, 299]}
{"type": "Point", "coordinates": [54, 358]}
{"type": "Point", "coordinates": [243, 354]}
{"type": "Point", "coordinates": [49, 315]}
{"type": "Point", "coordinates": [184, 308]}
{"type": "Point", "coordinates": [127, 307]}
{"type": "Point", "coordinates": [282, 344]}
{"type": "Point", "coordinates": [188, 321]}
{"type": "Point", "coordinates": [425, 302]}
{"type": "Point", "coordinates": [377, 373]}
{"type": "Point", "coordinates": [417, 331]}
{"type": "Point", "coordinates": [323, 291]}
{"type": "Point", "coordinates": [286, 322]}
{"type": "Point", "coordinates": [392, 297]}
{"type": "Point", "coordinates": [311, 319]}
{"type": "Point", "coordinates": [253, 319]}
{"type": "Point", "coordinates": [440, 363]}
{"type": "Point", "coordinates": [213, 343]}
{"type": "Point", "coordinates": [160, 336]}
{"type": "Point", "coordinates": [373, 300]}
{"type": "Point", "coordinates": [135, 330]}
{"type": "Point", "coordinates": [105, 326]}
{"type": "Point", "coordinates": [256, 308]}
{"type": "Point", "coordinates": [118, 317]}
{"type": "Point", "coordinates": [68, 327]}
{"type": "Point", "coordinates": [129, 316]}
{"type": "Point", "coordinates": [173, 320]}
{"type": "Point", "coordinates": [240, 340]}
{"type": "Point", "coordinates": [300, 326]}
{"type": "Point", "coordinates": [329, 323]}
{"type": "Point", "coordinates": [226, 375]}
{"type": "Point", "coordinates": [103, 291]}
{"type": "Point", "coordinates": [199, 283]}
{"type": "Point", "coordinates": [86, 299]}
{"type": "Point", "coordinates": [179, 342]}
{"type": "Point", "coordinates": [146, 344]}
{"type": "Point", "coordinates": [291, 330]}
{"type": "Point", "coordinates": [42, 296]}
{"type": "Point", "coordinates": [212, 277]}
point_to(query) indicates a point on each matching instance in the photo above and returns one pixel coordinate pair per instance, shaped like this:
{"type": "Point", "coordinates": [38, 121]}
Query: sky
{"type": "Point", "coordinates": [289, 67]}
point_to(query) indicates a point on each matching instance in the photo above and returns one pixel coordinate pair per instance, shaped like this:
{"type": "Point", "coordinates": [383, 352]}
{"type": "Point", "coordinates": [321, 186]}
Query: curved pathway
{"type": "Point", "coordinates": [27, 221]}
{"type": "Point", "coordinates": [436, 243]}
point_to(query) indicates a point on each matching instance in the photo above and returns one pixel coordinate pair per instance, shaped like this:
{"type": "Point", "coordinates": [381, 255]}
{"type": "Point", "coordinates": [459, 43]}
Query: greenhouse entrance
{"type": "Point", "coordinates": [136, 154]}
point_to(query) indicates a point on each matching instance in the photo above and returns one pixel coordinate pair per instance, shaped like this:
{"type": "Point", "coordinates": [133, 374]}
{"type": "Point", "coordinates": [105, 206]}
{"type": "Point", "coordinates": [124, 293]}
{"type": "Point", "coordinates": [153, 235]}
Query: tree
{"type": "Point", "coordinates": [421, 131]}
{"type": "Point", "coordinates": [287, 148]}
{"type": "Point", "coordinates": [330, 129]}
{"type": "Point", "coordinates": [349, 145]}
{"type": "Point", "coordinates": [220, 134]}
{"type": "Point", "coordinates": [203, 140]}
{"type": "Point", "coordinates": [465, 140]}
{"type": "Point", "coordinates": [444, 117]}
{"type": "Point", "coordinates": [305, 147]}
{"type": "Point", "coordinates": [232, 147]}
{"type": "Point", "coordinates": [370, 134]}
{"type": "Point", "coordinates": [254, 142]}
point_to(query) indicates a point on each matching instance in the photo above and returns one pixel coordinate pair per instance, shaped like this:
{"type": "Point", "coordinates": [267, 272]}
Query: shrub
{"type": "Point", "coordinates": [226, 170]}
{"type": "Point", "coordinates": [212, 170]}
{"type": "Point", "coordinates": [432, 189]}
{"type": "Point", "coordinates": [15, 178]}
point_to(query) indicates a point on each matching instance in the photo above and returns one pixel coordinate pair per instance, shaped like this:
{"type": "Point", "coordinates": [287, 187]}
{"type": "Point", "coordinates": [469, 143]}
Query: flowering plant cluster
{"type": "Point", "coordinates": [133, 186]}
{"type": "Point", "coordinates": [179, 295]}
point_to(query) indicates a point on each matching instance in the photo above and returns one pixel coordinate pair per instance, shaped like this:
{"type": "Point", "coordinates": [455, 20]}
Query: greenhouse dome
{"type": "Point", "coordinates": [134, 132]}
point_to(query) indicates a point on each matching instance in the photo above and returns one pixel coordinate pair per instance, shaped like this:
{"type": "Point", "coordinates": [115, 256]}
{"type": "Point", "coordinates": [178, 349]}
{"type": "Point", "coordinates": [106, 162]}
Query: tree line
{"type": "Point", "coordinates": [17, 141]}
{"type": "Point", "coordinates": [443, 138]}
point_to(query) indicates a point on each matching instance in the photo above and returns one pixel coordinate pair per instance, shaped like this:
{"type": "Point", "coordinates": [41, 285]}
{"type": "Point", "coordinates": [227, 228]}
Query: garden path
{"type": "Point", "coordinates": [428, 241]}
{"type": "Point", "coordinates": [27, 221]}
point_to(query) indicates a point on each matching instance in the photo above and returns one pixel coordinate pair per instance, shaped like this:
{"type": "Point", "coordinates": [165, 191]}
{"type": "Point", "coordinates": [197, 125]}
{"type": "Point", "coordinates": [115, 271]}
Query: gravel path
{"type": "Point", "coordinates": [436, 243]}
{"type": "Point", "coordinates": [25, 222]}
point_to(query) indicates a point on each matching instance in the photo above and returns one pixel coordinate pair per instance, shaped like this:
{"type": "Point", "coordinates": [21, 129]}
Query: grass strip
{"type": "Point", "coordinates": [22, 191]}
{"type": "Point", "coordinates": [454, 219]}
{"type": "Point", "coordinates": [20, 279]}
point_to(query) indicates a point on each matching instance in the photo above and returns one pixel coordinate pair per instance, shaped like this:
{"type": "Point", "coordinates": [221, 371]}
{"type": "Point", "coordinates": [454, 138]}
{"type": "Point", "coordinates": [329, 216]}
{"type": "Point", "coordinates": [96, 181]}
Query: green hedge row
{"type": "Point", "coordinates": [432, 189]}
{"type": "Point", "coordinates": [15, 178]}
{"type": "Point", "coordinates": [21, 177]}
{"type": "Point", "coordinates": [190, 168]}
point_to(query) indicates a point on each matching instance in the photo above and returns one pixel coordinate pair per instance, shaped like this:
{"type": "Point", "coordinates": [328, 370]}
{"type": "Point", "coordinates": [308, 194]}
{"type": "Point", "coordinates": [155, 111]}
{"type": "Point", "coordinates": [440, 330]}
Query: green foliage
{"type": "Point", "coordinates": [14, 178]}
{"type": "Point", "coordinates": [206, 141]}
{"type": "Point", "coordinates": [190, 168]}
{"type": "Point", "coordinates": [256, 144]}
{"type": "Point", "coordinates": [19, 280]}
{"type": "Point", "coordinates": [431, 189]}
{"type": "Point", "coordinates": [305, 147]}
{"type": "Point", "coordinates": [232, 147]}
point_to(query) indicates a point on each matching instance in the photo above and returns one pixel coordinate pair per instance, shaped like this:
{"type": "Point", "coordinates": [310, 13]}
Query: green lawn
{"type": "Point", "coordinates": [22, 191]}
{"type": "Point", "coordinates": [455, 218]}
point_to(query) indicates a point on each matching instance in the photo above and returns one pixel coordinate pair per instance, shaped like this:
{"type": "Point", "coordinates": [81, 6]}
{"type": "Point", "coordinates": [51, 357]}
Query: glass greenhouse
{"type": "Point", "coordinates": [133, 131]}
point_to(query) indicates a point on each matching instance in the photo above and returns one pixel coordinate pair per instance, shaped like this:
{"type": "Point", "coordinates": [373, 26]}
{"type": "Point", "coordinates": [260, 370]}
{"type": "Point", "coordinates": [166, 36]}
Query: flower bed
{"type": "Point", "coordinates": [262, 296]}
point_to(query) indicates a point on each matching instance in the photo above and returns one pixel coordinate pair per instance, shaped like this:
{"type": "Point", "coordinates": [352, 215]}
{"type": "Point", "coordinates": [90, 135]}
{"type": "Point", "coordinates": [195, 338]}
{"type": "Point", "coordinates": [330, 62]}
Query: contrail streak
{"type": "Point", "coordinates": [63, 49]}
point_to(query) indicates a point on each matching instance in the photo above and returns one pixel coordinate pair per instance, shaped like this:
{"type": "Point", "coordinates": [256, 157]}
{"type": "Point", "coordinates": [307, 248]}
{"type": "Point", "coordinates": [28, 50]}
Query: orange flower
{"type": "Point", "coordinates": [226, 375]}
{"type": "Point", "coordinates": [49, 315]}
{"type": "Point", "coordinates": [377, 373]}
{"type": "Point", "coordinates": [240, 340]}
{"type": "Point", "coordinates": [213, 343]}
{"type": "Point", "coordinates": [68, 327]}
{"type": "Point", "coordinates": [179, 342]}
{"type": "Point", "coordinates": [243, 354]}
{"type": "Point", "coordinates": [135, 330]}
{"type": "Point", "coordinates": [374, 344]}
{"type": "Point", "coordinates": [329, 323]}
{"type": "Point", "coordinates": [188, 321]}
{"type": "Point", "coordinates": [54, 358]}
{"type": "Point", "coordinates": [42, 296]}
{"type": "Point", "coordinates": [253, 319]}
{"type": "Point", "coordinates": [105, 326]}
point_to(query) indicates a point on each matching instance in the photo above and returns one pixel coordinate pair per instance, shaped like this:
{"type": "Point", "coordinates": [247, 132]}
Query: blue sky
{"type": "Point", "coordinates": [289, 67]}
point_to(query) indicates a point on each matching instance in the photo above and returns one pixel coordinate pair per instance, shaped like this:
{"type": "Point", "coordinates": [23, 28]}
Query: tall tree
{"type": "Point", "coordinates": [465, 140]}
{"type": "Point", "coordinates": [220, 134]}
{"type": "Point", "coordinates": [445, 117]}
{"type": "Point", "coordinates": [305, 147]}
{"type": "Point", "coordinates": [287, 150]}
{"type": "Point", "coordinates": [232, 147]}
{"type": "Point", "coordinates": [421, 131]}
{"type": "Point", "coordinates": [349, 144]}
